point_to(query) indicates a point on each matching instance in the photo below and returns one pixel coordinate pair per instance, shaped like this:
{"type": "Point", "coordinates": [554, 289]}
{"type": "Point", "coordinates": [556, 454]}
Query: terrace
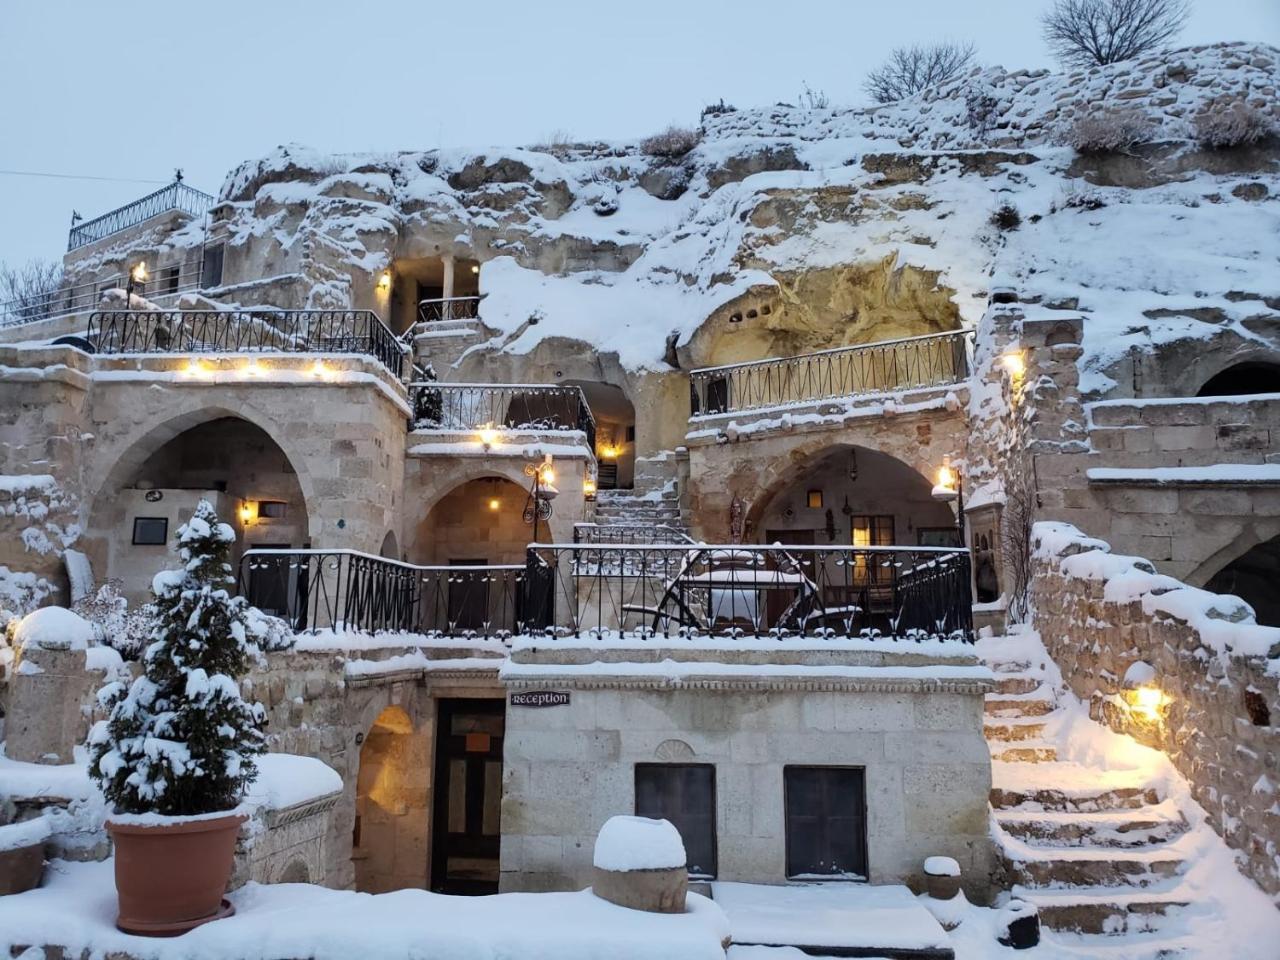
{"type": "Point", "coordinates": [490, 411]}
{"type": "Point", "coordinates": [177, 196]}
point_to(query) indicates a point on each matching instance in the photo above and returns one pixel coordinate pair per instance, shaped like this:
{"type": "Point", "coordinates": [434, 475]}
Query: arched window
{"type": "Point", "coordinates": [1243, 379]}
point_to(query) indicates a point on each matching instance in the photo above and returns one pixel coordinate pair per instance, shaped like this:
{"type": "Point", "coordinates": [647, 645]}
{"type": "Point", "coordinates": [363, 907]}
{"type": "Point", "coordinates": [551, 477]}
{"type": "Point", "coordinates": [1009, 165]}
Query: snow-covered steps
{"type": "Point", "coordinates": [1037, 703]}
{"type": "Point", "coordinates": [1112, 912]}
{"type": "Point", "coordinates": [1007, 730]}
{"type": "Point", "coordinates": [1072, 787]}
{"type": "Point", "coordinates": [1027, 751]}
{"type": "Point", "coordinates": [1017, 682]}
{"type": "Point", "coordinates": [1032, 866]}
{"type": "Point", "coordinates": [1117, 829]}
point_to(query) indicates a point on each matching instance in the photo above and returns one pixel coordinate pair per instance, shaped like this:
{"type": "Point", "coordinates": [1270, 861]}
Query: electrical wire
{"type": "Point", "coordinates": [74, 176]}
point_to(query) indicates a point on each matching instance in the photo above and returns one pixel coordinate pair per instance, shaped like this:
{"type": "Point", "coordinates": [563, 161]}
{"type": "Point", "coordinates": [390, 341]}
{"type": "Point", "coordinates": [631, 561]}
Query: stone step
{"type": "Point", "coordinates": [1012, 683]}
{"type": "Point", "coordinates": [1135, 946]}
{"type": "Point", "coordinates": [1010, 666]}
{"type": "Point", "coordinates": [1026, 753]}
{"type": "Point", "coordinates": [1094, 867]}
{"type": "Point", "coordinates": [1010, 730]}
{"type": "Point", "coordinates": [1121, 798]}
{"type": "Point", "coordinates": [1116, 829]}
{"type": "Point", "coordinates": [1066, 786]}
{"type": "Point", "coordinates": [1113, 912]}
{"type": "Point", "coordinates": [1018, 706]}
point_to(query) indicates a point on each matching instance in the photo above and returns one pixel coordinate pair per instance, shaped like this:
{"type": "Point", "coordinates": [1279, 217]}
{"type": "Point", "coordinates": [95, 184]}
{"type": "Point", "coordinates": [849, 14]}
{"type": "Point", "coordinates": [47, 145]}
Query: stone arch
{"type": "Point", "coordinates": [170, 491]}
{"type": "Point", "coordinates": [1243, 378]}
{"type": "Point", "coordinates": [479, 517]}
{"type": "Point", "coordinates": [1252, 575]}
{"type": "Point", "coordinates": [390, 546]}
{"type": "Point", "coordinates": [389, 834]}
{"type": "Point", "coordinates": [615, 416]}
{"type": "Point", "coordinates": [296, 872]}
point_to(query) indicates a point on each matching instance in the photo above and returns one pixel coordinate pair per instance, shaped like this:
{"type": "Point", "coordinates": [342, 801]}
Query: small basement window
{"type": "Point", "coordinates": [150, 531]}
{"type": "Point", "coordinates": [271, 509]}
{"type": "Point", "coordinates": [826, 822]}
{"type": "Point", "coordinates": [685, 794]}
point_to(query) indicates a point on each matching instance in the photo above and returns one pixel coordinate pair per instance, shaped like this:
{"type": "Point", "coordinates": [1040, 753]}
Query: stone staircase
{"type": "Point", "coordinates": [1099, 851]}
{"type": "Point", "coordinates": [631, 508]}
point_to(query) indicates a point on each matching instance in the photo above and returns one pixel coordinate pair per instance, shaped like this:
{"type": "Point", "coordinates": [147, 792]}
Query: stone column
{"type": "Point", "coordinates": [447, 285]}
{"type": "Point", "coordinates": [48, 693]}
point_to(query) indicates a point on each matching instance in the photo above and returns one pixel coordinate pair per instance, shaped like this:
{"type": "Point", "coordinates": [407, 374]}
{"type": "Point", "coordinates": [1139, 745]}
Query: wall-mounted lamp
{"type": "Point", "coordinates": [1014, 363]}
{"type": "Point", "coordinates": [319, 370]}
{"type": "Point", "coordinates": [384, 281]}
{"type": "Point", "coordinates": [488, 436]}
{"type": "Point", "coordinates": [608, 452]}
{"type": "Point", "coordinates": [246, 513]}
{"type": "Point", "coordinates": [946, 489]}
{"type": "Point", "coordinates": [495, 504]}
{"type": "Point", "coordinates": [1142, 695]}
{"type": "Point", "coordinates": [475, 268]}
{"type": "Point", "coordinates": [253, 368]}
{"type": "Point", "coordinates": [589, 487]}
{"type": "Point", "coordinates": [139, 272]}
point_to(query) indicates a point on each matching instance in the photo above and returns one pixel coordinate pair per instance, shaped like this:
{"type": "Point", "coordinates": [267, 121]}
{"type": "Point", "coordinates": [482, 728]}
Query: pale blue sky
{"type": "Point", "coordinates": [131, 89]}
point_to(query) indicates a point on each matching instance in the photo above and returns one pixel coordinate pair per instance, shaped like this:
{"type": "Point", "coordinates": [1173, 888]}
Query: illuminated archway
{"type": "Point", "coordinates": [388, 842]}
{"type": "Point", "coordinates": [615, 418]}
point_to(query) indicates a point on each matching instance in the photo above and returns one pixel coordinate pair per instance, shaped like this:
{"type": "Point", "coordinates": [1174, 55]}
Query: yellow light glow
{"type": "Point", "coordinates": [608, 452]}
{"type": "Point", "coordinates": [494, 503]}
{"type": "Point", "coordinates": [946, 477]}
{"type": "Point", "coordinates": [384, 281]}
{"type": "Point", "coordinates": [546, 475]}
{"type": "Point", "coordinates": [253, 368]}
{"type": "Point", "coordinates": [140, 273]}
{"type": "Point", "coordinates": [488, 436]}
{"type": "Point", "coordinates": [589, 486]}
{"type": "Point", "coordinates": [194, 368]}
{"type": "Point", "coordinates": [1146, 702]}
{"type": "Point", "coordinates": [320, 370]}
{"type": "Point", "coordinates": [1014, 363]}
{"type": "Point", "coordinates": [246, 513]}
{"type": "Point", "coordinates": [475, 268]}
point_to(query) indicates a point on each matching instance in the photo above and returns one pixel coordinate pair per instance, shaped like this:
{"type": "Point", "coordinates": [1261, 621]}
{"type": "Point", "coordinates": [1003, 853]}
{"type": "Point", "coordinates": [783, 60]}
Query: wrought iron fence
{"type": "Point", "coordinates": [640, 591]}
{"type": "Point", "coordinates": [932, 360]}
{"type": "Point", "coordinates": [449, 308]}
{"type": "Point", "coordinates": [514, 406]}
{"type": "Point", "coordinates": [347, 590]}
{"type": "Point", "coordinates": [642, 533]}
{"type": "Point", "coordinates": [176, 196]}
{"type": "Point", "coordinates": [681, 590]}
{"type": "Point", "coordinates": [247, 331]}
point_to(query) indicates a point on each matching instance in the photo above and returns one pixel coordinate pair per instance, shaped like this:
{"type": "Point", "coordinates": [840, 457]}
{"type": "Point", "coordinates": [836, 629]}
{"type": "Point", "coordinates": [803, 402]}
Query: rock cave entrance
{"type": "Point", "coordinates": [615, 418]}
{"type": "Point", "coordinates": [389, 840]}
{"type": "Point", "coordinates": [1253, 577]}
{"type": "Point", "coordinates": [1243, 379]}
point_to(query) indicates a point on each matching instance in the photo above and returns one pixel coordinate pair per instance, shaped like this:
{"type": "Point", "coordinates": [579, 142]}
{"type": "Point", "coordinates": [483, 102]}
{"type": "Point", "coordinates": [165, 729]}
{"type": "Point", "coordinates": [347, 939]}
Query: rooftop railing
{"type": "Point", "coordinates": [176, 196]}
{"type": "Point", "coordinates": [247, 331]}
{"type": "Point", "coordinates": [932, 360]}
{"type": "Point", "coordinates": [628, 590]}
{"type": "Point", "coordinates": [449, 308]}
{"type": "Point", "coordinates": [513, 406]}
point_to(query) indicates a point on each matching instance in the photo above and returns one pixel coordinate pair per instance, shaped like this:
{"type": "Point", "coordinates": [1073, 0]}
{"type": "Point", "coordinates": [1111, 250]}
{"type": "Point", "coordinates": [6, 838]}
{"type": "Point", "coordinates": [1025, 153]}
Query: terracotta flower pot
{"type": "Point", "coordinates": [170, 877]}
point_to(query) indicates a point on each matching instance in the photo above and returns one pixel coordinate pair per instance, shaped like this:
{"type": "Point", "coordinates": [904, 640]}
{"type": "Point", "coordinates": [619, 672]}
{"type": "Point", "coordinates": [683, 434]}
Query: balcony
{"type": "Point", "coordinates": [176, 196]}
{"type": "Point", "coordinates": [474, 407]}
{"type": "Point", "coordinates": [628, 590]}
{"type": "Point", "coordinates": [885, 366]}
{"type": "Point", "coordinates": [246, 331]}
{"type": "Point", "coordinates": [449, 308]}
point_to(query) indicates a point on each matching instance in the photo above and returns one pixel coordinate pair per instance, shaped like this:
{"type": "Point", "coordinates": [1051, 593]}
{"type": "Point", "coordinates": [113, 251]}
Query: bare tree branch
{"type": "Point", "coordinates": [26, 292]}
{"type": "Point", "coordinates": [910, 69]}
{"type": "Point", "coordinates": [1087, 33]}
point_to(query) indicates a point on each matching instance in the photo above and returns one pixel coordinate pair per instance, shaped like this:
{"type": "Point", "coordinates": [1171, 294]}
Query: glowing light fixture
{"type": "Point", "coordinates": [608, 452]}
{"type": "Point", "coordinates": [194, 368]}
{"type": "Point", "coordinates": [1014, 363]}
{"type": "Point", "coordinates": [253, 368]}
{"type": "Point", "coordinates": [488, 436]}
{"type": "Point", "coordinates": [475, 268]}
{"type": "Point", "coordinates": [589, 487]}
{"type": "Point", "coordinates": [384, 281]}
{"type": "Point", "coordinates": [1147, 702]}
{"type": "Point", "coordinates": [139, 272]}
{"type": "Point", "coordinates": [246, 513]}
{"type": "Point", "coordinates": [320, 370]}
{"type": "Point", "coordinates": [494, 504]}
{"type": "Point", "coordinates": [946, 488]}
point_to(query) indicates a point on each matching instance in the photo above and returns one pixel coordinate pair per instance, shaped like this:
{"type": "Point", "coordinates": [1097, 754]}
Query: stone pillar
{"type": "Point", "coordinates": [447, 284]}
{"type": "Point", "coordinates": [48, 693]}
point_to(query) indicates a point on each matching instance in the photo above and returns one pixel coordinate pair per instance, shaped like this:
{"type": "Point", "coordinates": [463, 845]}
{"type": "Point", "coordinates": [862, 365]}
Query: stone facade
{"type": "Point", "coordinates": [1099, 614]}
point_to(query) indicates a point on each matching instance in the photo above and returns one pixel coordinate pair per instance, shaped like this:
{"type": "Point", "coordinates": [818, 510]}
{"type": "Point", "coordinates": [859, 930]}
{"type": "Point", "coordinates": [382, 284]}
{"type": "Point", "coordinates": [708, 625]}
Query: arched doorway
{"type": "Point", "coordinates": [154, 488]}
{"type": "Point", "coordinates": [615, 418]}
{"type": "Point", "coordinates": [1253, 577]}
{"type": "Point", "coordinates": [852, 495]}
{"type": "Point", "coordinates": [1243, 379]}
{"type": "Point", "coordinates": [389, 840]}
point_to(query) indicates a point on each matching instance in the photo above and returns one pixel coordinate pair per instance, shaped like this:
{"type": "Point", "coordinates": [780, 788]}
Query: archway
{"type": "Point", "coordinates": [615, 418]}
{"type": "Point", "coordinates": [1253, 577]}
{"type": "Point", "coordinates": [852, 495]}
{"type": "Point", "coordinates": [390, 548]}
{"type": "Point", "coordinates": [1243, 379]}
{"type": "Point", "coordinates": [156, 484]}
{"type": "Point", "coordinates": [389, 840]}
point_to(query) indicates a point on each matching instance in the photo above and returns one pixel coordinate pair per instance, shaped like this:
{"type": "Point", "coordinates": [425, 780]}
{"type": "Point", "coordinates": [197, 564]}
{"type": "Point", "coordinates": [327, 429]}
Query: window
{"type": "Point", "coordinates": [271, 509]}
{"type": "Point", "coordinates": [871, 531]}
{"type": "Point", "coordinates": [685, 794]}
{"type": "Point", "coordinates": [826, 814]}
{"type": "Point", "coordinates": [150, 531]}
{"type": "Point", "coordinates": [631, 433]}
{"type": "Point", "coordinates": [211, 268]}
{"type": "Point", "coordinates": [169, 278]}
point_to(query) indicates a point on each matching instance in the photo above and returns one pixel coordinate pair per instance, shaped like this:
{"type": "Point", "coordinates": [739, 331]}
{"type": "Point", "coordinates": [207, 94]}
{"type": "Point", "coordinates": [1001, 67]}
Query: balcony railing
{"type": "Point", "coordinates": [346, 590]}
{"type": "Point", "coordinates": [169, 281]}
{"type": "Point", "coordinates": [642, 533]}
{"type": "Point", "coordinates": [933, 360]}
{"type": "Point", "coordinates": [636, 591]}
{"type": "Point", "coordinates": [449, 308]}
{"type": "Point", "coordinates": [247, 331]}
{"type": "Point", "coordinates": [176, 196]}
{"type": "Point", "coordinates": [527, 406]}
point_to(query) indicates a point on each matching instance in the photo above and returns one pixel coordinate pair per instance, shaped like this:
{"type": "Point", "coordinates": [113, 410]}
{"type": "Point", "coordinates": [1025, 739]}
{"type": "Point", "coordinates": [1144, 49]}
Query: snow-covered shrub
{"type": "Point", "coordinates": [979, 110]}
{"type": "Point", "coordinates": [114, 624]}
{"type": "Point", "coordinates": [181, 740]}
{"type": "Point", "coordinates": [1113, 130]}
{"type": "Point", "coordinates": [671, 142]}
{"type": "Point", "coordinates": [20, 593]}
{"type": "Point", "coordinates": [1006, 217]}
{"type": "Point", "coordinates": [717, 108]}
{"type": "Point", "coordinates": [558, 143]}
{"type": "Point", "coordinates": [1076, 197]}
{"type": "Point", "coordinates": [1235, 125]}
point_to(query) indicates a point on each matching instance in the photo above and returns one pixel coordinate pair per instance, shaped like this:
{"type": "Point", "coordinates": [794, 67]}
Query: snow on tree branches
{"type": "Point", "coordinates": [181, 740]}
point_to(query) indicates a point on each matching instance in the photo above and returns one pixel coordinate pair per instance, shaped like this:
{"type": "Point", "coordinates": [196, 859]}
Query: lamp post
{"type": "Point", "coordinates": [138, 274]}
{"type": "Point", "coordinates": [542, 491]}
{"type": "Point", "coordinates": [950, 487]}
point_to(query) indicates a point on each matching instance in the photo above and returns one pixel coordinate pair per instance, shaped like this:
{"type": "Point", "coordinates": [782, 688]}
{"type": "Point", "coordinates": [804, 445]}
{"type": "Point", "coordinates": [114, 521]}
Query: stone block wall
{"type": "Point", "coordinates": [1099, 613]}
{"type": "Point", "coordinates": [1185, 432]}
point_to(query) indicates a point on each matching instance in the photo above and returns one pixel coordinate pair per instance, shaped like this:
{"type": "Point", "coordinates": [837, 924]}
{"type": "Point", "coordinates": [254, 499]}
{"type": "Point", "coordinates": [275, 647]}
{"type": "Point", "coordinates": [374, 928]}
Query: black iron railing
{"type": "Point", "coordinates": [641, 533]}
{"type": "Point", "coordinates": [639, 591]}
{"type": "Point", "coordinates": [513, 406]}
{"type": "Point", "coordinates": [247, 331]}
{"type": "Point", "coordinates": [347, 590]}
{"type": "Point", "coordinates": [682, 590]}
{"type": "Point", "coordinates": [449, 308]}
{"type": "Point", "coordinates": [176, 196]}
{"type": "Point", "coordinates": [933, 360]}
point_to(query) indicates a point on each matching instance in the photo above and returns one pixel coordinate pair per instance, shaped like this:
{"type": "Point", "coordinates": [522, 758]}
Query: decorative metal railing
{"type": "Point", "coordinates": [449, 308]}
{"type": "Point", "coordinates": [348, 590]}
{"type": "Point", "coordinates": [638, 591]}
{"type": "Point", "coordinates": [247, 331]}
{"type": "Point", "coordinates": [737, 590]}
{"type": "Point", "coordinates": [933, 360]}
{"type": "Point", "coordinates": [176, 196]}
{"type": "Point", "coordinates": [513, 406]}
{"type": "Point", "coordinates": [168, 281]}
{"type": "Point", "coordinates": [641, 533]}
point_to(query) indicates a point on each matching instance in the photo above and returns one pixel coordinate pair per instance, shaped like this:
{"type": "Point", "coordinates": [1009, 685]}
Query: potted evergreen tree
{"type": "Point", "coordinates": [176, 753]}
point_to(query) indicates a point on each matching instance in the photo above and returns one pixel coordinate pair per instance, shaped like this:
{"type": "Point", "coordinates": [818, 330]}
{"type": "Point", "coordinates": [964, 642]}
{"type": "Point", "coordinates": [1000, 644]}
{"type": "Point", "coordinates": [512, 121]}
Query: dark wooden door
{"type": "Point", "coordinates": [468, 596]}
{"type": "Point", "coordinates": [826, 815]}
{"type": "Point", "coordinates": [467, 797]}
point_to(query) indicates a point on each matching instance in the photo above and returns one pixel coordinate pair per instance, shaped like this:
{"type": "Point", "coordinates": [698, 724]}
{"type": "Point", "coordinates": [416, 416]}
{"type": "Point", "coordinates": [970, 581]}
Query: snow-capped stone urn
{"type": "Point", "coordinates": [49, 687]}
{"type": "Point", "coordinates": [640, 863]}
{"type": "Point", "coordinates": [942, 877]}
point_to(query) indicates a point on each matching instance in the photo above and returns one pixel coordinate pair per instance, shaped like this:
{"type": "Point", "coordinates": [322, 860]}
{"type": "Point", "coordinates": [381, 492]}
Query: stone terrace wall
{"type": "Point", "coordinates": [1185, 432]}
{"type": "Point", "coordinates": [1100, 613]}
